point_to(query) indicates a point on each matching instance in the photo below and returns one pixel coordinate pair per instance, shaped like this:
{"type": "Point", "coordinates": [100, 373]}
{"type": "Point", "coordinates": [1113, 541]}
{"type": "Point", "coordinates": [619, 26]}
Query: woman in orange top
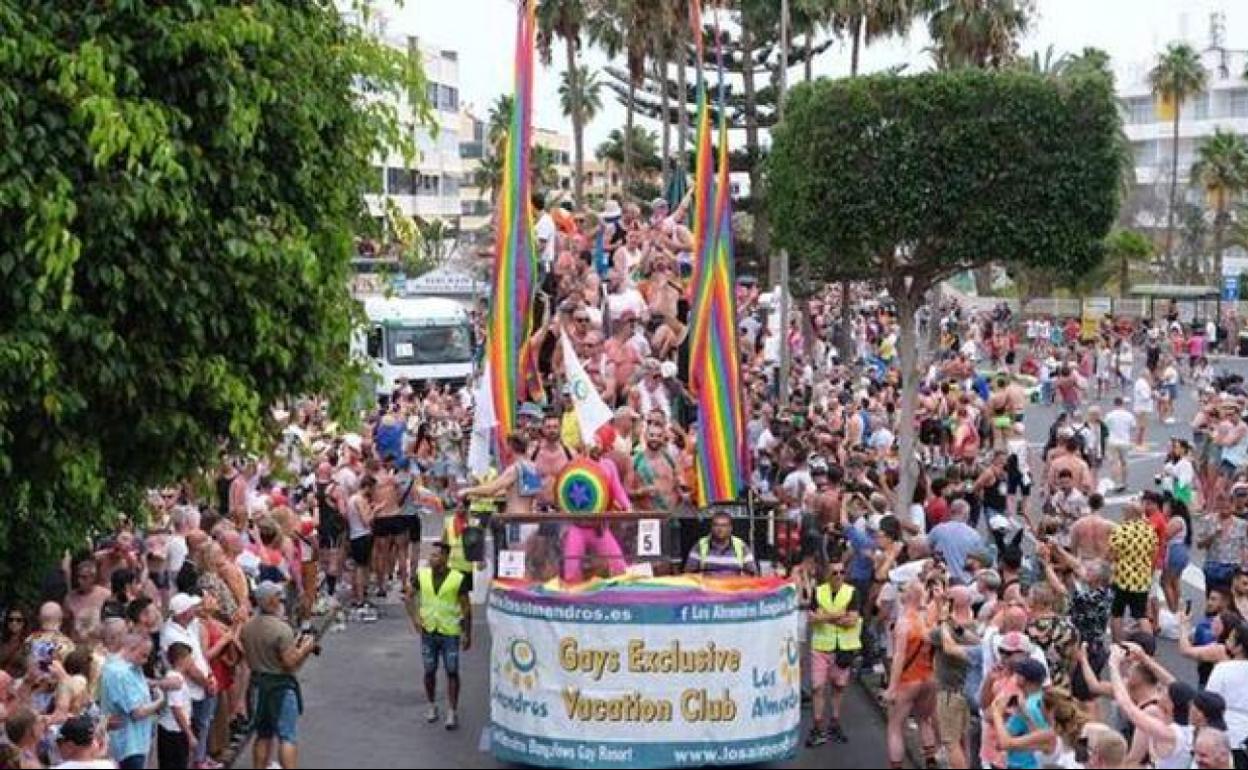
{"type": "Point", "coordinates": [910, 687]}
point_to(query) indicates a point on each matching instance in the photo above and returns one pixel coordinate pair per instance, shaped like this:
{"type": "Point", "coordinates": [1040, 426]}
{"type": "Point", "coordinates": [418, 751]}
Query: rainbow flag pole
{"type": "Point", "coordinates": [715, 362]}
{"type": "Point", "coordinates": [515, 256]}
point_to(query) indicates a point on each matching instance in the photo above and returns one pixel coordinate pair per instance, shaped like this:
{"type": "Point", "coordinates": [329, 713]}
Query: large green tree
{"type": "Point", "coordinates": [180, 186]}
{"type": "Point", "coordinates": [908, 180]}
{"type": "Point", "coordinates": [1221, 168]}
{"type": "Point", "coordinates": [1178, 76]}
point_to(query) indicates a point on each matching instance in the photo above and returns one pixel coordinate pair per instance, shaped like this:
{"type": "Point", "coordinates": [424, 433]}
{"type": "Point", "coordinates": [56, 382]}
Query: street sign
{"type": "Point", "coordinates": [1230, 288]}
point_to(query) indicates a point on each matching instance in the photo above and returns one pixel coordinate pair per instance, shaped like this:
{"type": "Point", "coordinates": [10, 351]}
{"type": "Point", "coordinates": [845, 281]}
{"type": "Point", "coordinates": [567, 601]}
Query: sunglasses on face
{"type": "Point", "coordinates": [16, 619]}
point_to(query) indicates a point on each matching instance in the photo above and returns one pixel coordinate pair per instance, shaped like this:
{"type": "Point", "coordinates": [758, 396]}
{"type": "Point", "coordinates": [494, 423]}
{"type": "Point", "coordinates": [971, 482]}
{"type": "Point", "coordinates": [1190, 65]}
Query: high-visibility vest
{"type": "Point", "coordinates": [738, 548]}
{"type": "Point", "coordinates": [458, 560]}
{"type": "Point", "coordinates": [439, 611]}
{"type": "Point", "coordinates": [829, 637]}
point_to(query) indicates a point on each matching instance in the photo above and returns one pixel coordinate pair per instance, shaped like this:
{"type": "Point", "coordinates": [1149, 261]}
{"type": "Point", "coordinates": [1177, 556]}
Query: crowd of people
{"type": "Point", "coordinates": [1011, 615]}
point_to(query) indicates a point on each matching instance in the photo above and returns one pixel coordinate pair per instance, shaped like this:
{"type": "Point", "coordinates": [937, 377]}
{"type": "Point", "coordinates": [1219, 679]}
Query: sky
{"type": "Point", "coordinates": [483, 31]}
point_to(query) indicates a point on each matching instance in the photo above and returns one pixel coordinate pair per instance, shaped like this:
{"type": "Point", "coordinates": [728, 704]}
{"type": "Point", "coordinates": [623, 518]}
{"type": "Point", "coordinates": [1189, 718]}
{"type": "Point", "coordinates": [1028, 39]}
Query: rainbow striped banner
{"type": "Point", "coordinates": [715, 359]}
{"type": "Point", "coordinates": [515, 255]}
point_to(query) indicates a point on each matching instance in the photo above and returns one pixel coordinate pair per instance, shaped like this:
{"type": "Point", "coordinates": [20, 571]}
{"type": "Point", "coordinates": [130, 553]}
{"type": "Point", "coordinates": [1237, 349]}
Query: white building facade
{"type": "Point", "coordinates": [427, 186]}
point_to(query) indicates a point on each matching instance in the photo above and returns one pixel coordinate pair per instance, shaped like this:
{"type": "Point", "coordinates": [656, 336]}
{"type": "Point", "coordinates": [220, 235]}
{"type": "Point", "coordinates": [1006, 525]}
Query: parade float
{"type": "Point", "coordinates": [644, 672]}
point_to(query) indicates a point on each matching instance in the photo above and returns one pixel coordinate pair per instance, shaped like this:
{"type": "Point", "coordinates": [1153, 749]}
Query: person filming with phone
{"type": "Point", "coordinates": [275, 654]}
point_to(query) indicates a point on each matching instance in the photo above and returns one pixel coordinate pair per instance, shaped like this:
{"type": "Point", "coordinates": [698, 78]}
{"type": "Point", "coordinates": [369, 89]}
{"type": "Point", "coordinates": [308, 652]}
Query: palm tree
{"type": "Point", "coordinates": [977, 33]}
{"type": "Point", "coordinates": [580, 90]}
{"type": "Point", "coordinates": [627, 27]}
{"type": "Point", "coordinates": [1179, 75]}
{"type": "Point", "coordinates": [542, 169]}
{"type": "Point", "coordinates": [1222, 168]}
{"type": "Point", "coordinates": [564, 19]}
{"type": "Point", "coordinates": [866, 20]}
{"type": "Point", "coordinates": [499, 122]}
{"type": "Point", "coordinates": [1048, 66]}
{"type": "Point", "coordinates": [489, 174]}
{"type": "Point", "coordinates": [643, 145]}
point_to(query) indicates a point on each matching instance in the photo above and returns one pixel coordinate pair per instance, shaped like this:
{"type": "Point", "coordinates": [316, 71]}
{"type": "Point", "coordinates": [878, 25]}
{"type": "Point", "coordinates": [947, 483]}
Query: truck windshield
{"type": "Point", "coordinates": [415, 345]}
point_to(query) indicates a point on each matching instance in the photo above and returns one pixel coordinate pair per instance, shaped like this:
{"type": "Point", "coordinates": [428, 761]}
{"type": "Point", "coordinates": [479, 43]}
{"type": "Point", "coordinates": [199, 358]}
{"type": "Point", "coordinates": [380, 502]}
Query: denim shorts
{"type": "Point", "coordinates": [287, 721]}
{"type": "Point", "coordinates": [433, 646]}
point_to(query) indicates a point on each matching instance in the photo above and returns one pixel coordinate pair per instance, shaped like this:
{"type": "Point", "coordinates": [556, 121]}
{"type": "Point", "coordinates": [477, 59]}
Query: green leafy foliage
{"type": "Point", "coordinates": [180, 184]}
{"type": "Point", "coordinates": [916, 178]}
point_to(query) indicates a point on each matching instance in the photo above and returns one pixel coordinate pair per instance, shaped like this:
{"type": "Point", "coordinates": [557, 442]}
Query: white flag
{"type": "Point", "coordinates": [591, 411]}
{"type": "Point", "coordinates": [483, 423]}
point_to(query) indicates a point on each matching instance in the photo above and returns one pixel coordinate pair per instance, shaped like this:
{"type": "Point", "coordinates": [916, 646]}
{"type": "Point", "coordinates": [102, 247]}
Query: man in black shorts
{"type": "Point", "coordinates": [330, 501]}
{"type": "Point", "coordinates": [1133, 546]}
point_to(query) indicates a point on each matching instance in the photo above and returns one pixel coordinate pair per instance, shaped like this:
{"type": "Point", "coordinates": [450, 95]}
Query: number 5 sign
{"type": "Point", "coordinates": [649, 542]}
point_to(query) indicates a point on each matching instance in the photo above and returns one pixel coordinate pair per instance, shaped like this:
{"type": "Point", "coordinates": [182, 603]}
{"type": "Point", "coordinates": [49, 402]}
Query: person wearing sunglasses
{"type": "Point", "coordinates": [12, 637]}
{"type": "Point", "coordinates": [836, 640]}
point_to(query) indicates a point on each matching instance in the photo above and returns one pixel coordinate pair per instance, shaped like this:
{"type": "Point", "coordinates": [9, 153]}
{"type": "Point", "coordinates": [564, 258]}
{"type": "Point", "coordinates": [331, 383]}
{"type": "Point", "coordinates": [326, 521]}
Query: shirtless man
{"type": "Point", "coordinates": [655, 471]}
{"type": "Point", "coordinates": [1017, 397]}
{"type": "Point", "coordinates": [88, 596]}
{"type": "Point", "coordinates": [1001, 412]}
{"type": "Point", "coordinates": [508, 483]}
{"type": "Point", "coordinates": [550, 457]}
{"type": "Point", "coordinates": [1089, 534]}
{"type": "Point", "coordinates": [388, 525]}
{"type": "Point", "coordinates": [1066, 457]}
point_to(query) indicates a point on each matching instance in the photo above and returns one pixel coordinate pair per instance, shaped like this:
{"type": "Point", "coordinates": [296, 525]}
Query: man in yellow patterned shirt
{"type": "Point", "coordinates": [1132, 547]}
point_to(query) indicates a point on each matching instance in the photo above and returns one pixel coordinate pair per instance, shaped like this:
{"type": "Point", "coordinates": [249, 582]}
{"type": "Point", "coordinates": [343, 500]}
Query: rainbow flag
{"type": "Point", "coordinates": [515, 255]}
{"type": "Point", "coordinates": [715, 360]}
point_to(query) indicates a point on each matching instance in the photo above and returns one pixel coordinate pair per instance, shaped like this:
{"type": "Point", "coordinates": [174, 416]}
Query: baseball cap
{"type": "Point", "coordinates": [181, 603]}
{"type": "Point", "coordinates": [530, 409]}
{"type": "Point", "coordinates": [1014, 641]}
{"type": "Point", "coordinates": [79, 730]}
{"type": "Point", "coordinates": [1031, 670]}
{"type": "Point", "coordinates": [268, 589]}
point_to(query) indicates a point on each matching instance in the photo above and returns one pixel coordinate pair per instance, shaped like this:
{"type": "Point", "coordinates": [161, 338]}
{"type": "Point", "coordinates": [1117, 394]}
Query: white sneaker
{"type": "Point", "coordinates": [431, 714]}
{"type": "Point", "coordinates": [452, 720]}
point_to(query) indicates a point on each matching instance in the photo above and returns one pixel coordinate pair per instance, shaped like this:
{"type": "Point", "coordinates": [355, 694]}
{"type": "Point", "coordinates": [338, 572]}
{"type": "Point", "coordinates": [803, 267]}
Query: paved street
{"type": "Point", "coordinates": [364, 707]}
{"type": "Point", "coordinates": [364, 701]}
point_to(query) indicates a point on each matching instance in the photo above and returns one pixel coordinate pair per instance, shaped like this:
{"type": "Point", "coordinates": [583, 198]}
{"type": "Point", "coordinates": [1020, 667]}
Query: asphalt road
{"type": "Point", "coordinates": [364, 701]}
{"type": "Point", "coordinates": [364, 706]}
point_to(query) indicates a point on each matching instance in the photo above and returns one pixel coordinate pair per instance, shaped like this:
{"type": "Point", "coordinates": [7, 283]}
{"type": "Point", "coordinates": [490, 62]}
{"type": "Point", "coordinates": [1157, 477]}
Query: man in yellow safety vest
{"type": "Point", "coordinates": [442, 615]}
{"type": "Point", "coordinates": [835, 640]}
{"type": "Point", "coordinates": [454, 525]}
{"type": "Point", "coordinates": [721, 553]}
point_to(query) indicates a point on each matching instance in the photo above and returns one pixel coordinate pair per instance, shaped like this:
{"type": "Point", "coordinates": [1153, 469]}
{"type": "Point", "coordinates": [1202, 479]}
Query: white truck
{"type": "Point", "coordinates": [420, 338]}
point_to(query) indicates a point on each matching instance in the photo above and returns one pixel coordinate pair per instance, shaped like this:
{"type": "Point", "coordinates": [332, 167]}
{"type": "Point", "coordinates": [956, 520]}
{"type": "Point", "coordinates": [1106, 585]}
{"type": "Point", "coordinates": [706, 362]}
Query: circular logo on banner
{"type": "Point", "coordinates": [520, 667]}
{"type": "Point", "coordinates": [580, 390]}
{"type": "Point", "coordinates": [582, 488]}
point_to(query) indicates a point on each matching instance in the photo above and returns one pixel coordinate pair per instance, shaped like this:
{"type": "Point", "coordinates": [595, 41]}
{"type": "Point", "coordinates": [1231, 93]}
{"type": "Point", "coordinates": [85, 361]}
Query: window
{"type": "Point", "coordinates": [442, 97]}
{"type": "Point", "coordinates": [478, 131]}
{"type": "Point", "coordinates": [471, 150]}
{"type": "Point", "coordinates": [428, 184]}
{"type": "Point", "coordinates": [1200, 107]}
{"type": "Point", "coordinates": [450, 186]}
{"type": "Point", "coordinates": [1145, 152]}
{"type": "Point", "coordinates": [428, 344]}
{"type": "Point", "coordinates": [400, 181]}
{"type": "Point", "coordinates": [1139, 109]}
{"type": "Point", "coordinates": [1238, 107]}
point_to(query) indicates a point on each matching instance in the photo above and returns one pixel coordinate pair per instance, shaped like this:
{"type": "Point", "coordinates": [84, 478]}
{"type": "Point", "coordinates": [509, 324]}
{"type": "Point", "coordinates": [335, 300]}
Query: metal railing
{"type": "Point", "coordinates": [773, 538]}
